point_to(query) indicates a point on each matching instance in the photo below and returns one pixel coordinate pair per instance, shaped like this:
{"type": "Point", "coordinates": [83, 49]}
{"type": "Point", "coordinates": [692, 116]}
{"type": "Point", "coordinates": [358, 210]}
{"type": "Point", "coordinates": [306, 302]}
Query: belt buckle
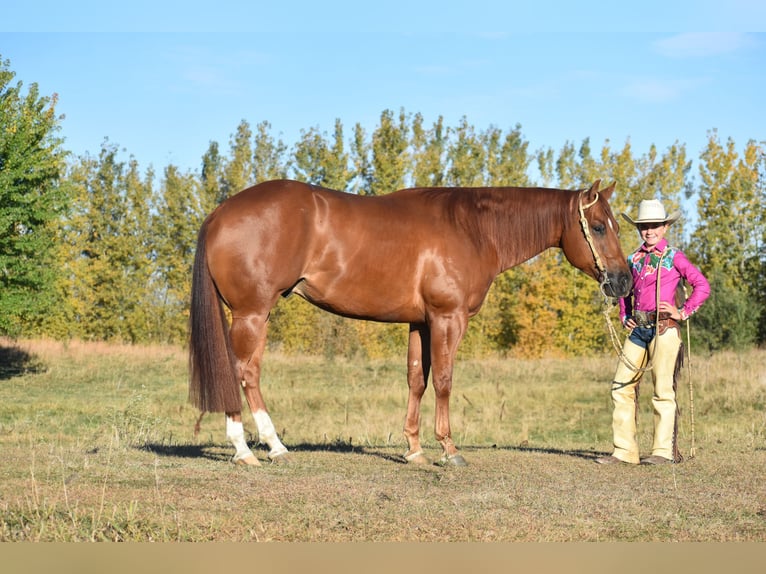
{"type": "Point", "coordinates": [643, 318]}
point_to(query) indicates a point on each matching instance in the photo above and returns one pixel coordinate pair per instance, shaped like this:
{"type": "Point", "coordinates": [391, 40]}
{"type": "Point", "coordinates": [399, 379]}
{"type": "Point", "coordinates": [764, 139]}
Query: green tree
{"type": "Point", "coordinates": [213, 189]}
{"type": "Point", "coordinates": [545, 165]}
{"type": "Point", "coordinates": [465, 157]}
{"type": "Point", "coordinates": [360, 158]}
{"type": "Point", "coordinates": [31, 199]}
{"type": "Point", "coordinates": [337, 174]}
{"type": "Point", "coordinates": [238, 169]}
{"type": "Point", "coordinates": [319, 161]}
{"type": "Point", "coordinates": [390, 159]}
{"type": "Point", "coordinates": [726, 320]}
{"type": "Point", "coordinates": [138, 261]}
{"type": "Point", "coordinates": [108, 240]}
{"type": "Point", "coordinates": [428, 149]}
{"type": "Point", "coordinates": [176, 222]}
{"type": "Point", "coordinates": [507, 157]}
{"type": "Point", "coordinates": [727, 242]}
{"type": "Point", "coordinates": [724, 239]}
{"type": "Point", "coordinates": [268, 159]}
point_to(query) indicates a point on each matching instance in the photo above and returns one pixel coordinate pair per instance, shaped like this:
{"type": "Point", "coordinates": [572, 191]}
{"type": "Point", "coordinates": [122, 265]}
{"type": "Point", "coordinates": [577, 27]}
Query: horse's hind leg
{"type": "Point", "coordinates": [235, 432]}
{"type": "Point", "coordinates": [248, 338]}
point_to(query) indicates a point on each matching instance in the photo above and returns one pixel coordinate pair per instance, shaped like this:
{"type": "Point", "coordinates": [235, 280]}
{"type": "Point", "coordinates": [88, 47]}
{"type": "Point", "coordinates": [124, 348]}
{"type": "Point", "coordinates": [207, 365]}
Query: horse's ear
{"type": "Point", "coordinates": [606, 193]}
{"type": "Point", "coordinates": [592, 192]}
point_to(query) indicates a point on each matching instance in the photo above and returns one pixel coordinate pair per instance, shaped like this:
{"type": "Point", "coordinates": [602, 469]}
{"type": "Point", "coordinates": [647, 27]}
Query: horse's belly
{"type": "Point", "coordinates": [376, 301]}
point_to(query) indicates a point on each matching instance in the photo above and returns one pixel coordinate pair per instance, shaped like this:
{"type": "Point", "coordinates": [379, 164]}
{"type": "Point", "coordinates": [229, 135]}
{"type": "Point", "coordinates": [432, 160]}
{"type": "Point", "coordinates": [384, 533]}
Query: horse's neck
{"type": "Point", "coordinates": [536, 223]}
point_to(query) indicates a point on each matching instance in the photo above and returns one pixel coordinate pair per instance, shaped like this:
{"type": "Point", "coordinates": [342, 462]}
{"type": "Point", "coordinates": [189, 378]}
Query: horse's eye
{"type": "Point", "coordinates": [599, 228]}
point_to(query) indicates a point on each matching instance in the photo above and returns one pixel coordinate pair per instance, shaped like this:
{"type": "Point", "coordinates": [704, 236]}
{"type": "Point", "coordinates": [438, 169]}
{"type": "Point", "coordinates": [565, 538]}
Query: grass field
{"type": "Point", "coordinates": [97, 444]}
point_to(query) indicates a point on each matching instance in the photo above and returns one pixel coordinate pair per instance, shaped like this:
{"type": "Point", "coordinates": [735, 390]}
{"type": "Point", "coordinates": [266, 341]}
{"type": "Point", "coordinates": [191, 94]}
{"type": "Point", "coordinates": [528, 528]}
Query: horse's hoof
{"type": "Point", "coordinates": [417, 458]}
{"type": "Point", "coordinates": [248, 460]}
{"type": "Point", "coordinates": [280, 458]}
{"type": "Point", "coordinates": [452, 460]}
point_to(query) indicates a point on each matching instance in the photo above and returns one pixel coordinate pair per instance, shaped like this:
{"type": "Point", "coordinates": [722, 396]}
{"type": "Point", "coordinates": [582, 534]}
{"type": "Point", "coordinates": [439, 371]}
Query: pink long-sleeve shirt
{"type": "Point", "coordinates": [675, 266]}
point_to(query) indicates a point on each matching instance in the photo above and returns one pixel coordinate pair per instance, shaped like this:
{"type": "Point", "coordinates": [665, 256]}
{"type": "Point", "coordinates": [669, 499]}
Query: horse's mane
{"type": "Point", "coordinates": [512, 220]}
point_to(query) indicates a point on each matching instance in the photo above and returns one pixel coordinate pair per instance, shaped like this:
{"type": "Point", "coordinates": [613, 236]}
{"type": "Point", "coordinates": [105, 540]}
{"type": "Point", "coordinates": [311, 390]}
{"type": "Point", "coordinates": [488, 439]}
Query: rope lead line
{"type": "Point", "coordinates": [692, 448]}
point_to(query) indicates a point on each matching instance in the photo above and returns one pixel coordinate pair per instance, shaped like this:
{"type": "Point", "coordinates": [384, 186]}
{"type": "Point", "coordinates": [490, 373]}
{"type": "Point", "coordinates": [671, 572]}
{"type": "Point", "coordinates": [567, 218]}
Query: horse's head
{"type": "Point", "coordinates": [591, 242]}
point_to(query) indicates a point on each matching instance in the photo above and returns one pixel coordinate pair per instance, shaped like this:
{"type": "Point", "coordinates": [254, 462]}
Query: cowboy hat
{"type": "Point", "coordinates": [652, 211]}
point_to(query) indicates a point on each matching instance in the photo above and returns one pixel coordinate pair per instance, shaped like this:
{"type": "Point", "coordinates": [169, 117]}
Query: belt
{"type": "Point", "coordinates": [648, 318]}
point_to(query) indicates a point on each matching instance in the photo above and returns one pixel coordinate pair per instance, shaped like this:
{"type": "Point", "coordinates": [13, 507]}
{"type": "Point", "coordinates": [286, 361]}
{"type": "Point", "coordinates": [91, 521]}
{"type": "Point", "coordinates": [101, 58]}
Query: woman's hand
{"type": "Point", "coordinates": [630, 323]}
{"type": "Point", "coordinates": [666, 307]}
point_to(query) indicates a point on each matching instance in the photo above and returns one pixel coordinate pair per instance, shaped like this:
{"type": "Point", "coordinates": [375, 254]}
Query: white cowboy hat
{"type": "Point", "coordinates": [652, 211]}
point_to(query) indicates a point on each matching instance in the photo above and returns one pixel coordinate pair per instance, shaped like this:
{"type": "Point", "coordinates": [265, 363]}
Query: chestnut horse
{"type": "Point", "coordinates": [423, 256]}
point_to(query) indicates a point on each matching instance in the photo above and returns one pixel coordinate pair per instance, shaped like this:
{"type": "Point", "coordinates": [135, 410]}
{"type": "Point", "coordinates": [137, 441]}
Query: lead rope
{"type": "Point", "coordinates": [692, 449]}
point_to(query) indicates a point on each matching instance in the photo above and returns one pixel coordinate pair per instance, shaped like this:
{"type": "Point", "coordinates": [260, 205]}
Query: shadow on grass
{"type": "Point", "coordinates": [15, 361]}
{"type": "Point", "coordinates": [220, 452]}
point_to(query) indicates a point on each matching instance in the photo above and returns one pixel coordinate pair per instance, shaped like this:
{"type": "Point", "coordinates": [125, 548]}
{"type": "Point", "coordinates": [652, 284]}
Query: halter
{"type": "Point", "coordinates": [589, 240]}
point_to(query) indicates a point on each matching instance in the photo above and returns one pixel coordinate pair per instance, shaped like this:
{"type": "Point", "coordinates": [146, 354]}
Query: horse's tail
{"type": "Point", "coordinates": [213, 384]}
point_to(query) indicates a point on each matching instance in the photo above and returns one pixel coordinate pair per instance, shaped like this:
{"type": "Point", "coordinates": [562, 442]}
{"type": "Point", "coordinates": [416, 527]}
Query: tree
{"type": "Point", "coordinates": [465, 156]}
{"type": "Point", "coordinates": [338, 175]}
{"type": "Point", "coordinates": [212, 179]}
{"type": "Point", "coordinates": [176, 222]}
{"type": "Point", "coordinates": [428, 148]}
{"type": "Point", "coordinates": [32, 197]}
{"type": "Point", "coordinates": [238, 170]}
{"type": "Point", "coordinates": [724, 239]}
{"type": "Point", "coordinates": [360, 158]}
{"type": "Point", "coordinates": [109, 266]}
{"type": "Point", "coordinates": [268, 155]}
{"type": "Point", "coordinates": [390, 160]}
{"type": "Point", "coordinates": [727, 243]}
{"type": "Point", "coordinates": [507, 157]}
{"type": "Point", "coordinates": [321, 162]}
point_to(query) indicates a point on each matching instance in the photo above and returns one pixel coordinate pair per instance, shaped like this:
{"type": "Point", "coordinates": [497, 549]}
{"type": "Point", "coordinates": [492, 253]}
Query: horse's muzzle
{"type": "Point", "coordinates": [617, 284]}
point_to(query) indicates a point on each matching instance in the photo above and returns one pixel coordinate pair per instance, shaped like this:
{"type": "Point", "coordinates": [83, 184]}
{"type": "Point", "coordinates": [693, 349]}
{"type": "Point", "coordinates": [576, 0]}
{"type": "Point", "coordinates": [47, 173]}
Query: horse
{"type": "Point", "coordinates": [421, 256]}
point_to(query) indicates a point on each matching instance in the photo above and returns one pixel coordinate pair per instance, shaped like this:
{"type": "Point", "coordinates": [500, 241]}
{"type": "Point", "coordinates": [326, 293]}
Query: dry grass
{"type": "Point", "coordinates": [97, 444]}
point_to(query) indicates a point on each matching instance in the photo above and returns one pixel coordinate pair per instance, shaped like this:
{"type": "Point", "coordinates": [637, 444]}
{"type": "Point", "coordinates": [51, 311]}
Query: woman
{"type": "Point", "coordinates": [651, 313]}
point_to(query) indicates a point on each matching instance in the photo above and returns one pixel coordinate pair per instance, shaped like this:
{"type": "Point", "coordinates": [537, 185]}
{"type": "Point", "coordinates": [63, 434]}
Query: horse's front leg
{"type": "Point", "coordinates": [418, 367]}
{"type": "Point", "coordinates": [446, 334]}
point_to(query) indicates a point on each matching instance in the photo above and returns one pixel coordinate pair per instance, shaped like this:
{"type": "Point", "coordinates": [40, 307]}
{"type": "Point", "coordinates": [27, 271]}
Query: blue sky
{"type": "Point", "coordinates": [163, 79]}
